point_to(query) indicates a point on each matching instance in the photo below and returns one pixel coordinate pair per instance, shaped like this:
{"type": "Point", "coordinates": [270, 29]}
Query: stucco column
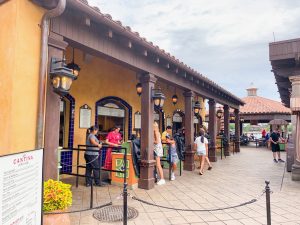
{"type": "Point", "coordinates": [52, 115]}
{"type": "Point", "coordinates": [212, 131]}
{"type": "Point", "coordinates": [226, 129]}
{"type": "Point", "coordinates": [189, 163]}
{"type": "Point", "coordinates": [146, 180]}
{"type": "Point", "coordinates": [295, 107]}
{"type": "Point", "coordinates": [237, 130]}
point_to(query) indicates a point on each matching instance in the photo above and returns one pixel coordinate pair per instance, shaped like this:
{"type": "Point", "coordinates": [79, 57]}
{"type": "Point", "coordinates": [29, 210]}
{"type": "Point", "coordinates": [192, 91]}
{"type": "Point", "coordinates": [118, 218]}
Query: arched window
{"type": "Point", "coordinates": [112, 111]}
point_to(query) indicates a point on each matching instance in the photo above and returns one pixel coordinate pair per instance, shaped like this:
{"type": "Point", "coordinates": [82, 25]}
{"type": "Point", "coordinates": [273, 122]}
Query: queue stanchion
{"type": "Point", "coordinates": [77, 167]}
{"type": "Point", "coordinates": [125, 189]}
{"type": "Point", "coordinates": [268, 202]}
{"type": "Point", "coordinates": [92, 196]}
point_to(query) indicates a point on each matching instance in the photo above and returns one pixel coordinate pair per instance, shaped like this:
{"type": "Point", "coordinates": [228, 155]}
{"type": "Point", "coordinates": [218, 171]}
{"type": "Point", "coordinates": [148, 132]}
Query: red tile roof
{"type": "Point", "coordinates": [260, 105]}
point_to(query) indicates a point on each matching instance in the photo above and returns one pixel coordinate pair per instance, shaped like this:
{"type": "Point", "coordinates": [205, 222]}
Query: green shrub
{"type": "Point", "coordinates": [57, 195]}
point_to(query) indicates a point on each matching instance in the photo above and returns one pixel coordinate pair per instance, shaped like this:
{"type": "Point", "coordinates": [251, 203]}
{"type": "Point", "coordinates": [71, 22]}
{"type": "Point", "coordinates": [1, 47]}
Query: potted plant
{"type": "Point", "coordinates": [57, 198]}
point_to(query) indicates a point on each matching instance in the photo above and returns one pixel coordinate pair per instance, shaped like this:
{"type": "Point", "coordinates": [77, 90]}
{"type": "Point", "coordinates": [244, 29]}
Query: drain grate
{"type": "Point", "coordinates": [114, 213]}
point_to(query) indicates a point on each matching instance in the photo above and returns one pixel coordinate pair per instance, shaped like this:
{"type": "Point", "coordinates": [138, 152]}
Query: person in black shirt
{"type": "Point", "coordinates": [274, 138]}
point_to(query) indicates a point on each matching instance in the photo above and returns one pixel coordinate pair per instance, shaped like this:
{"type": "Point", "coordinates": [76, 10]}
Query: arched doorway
{"type": "Point", "coordinates": [178, 120]}
{"type": "Point", "coordinates": [112, 111]}
{"type": "Point", "coordinates": [66, 130]}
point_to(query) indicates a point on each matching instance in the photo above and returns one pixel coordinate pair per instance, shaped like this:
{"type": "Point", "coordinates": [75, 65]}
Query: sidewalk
{"type": "Point", "coordinates": [232, 181]}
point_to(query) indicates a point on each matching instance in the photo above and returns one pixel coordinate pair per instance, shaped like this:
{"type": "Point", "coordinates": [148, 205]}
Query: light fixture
{"type": "Point", "coordinates": [158, 97]}
{"type": "Point", "coordinates": [232, 117]}
{"type": "Point", "coordinates": [61, 76]}
{"type": "Point", "coordinates": [174, 99]}
{"type": "Point", "coordinates": [242, 120]}
{"type": "Point", "coordinates": [197, 107]}
{"type": "Point", "coordinates": [74, 67]}
{"type": "Point", "coordinates": [219, 113]}
{"type": "Point", "coordinates": [139, 89]}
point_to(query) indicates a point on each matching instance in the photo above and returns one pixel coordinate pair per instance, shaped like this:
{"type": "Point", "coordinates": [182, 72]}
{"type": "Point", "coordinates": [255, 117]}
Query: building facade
{"type": "Point", "coordinates": [113, 60]}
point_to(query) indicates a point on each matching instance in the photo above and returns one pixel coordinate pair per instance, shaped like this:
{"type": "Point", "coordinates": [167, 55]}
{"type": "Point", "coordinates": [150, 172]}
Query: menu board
{"type": "Point", "coordinates": [85, 116]}
{"type": "Point", "coordinates": [21, 178]}
{"type": "Point", "coordinates": [137, 120]}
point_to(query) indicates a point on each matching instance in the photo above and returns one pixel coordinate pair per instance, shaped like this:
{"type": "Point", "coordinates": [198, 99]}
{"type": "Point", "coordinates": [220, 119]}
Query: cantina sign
{"type": "Point", "coordinates": [21, 188]}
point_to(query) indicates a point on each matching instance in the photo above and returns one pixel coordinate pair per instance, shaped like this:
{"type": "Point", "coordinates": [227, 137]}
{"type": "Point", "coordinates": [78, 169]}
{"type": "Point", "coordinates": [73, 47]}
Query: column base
{"type": "Point", "coordinates": [226, 151]}
{"type": "Point", "coordinates": [189, 161]}
{"type": "Point", "coordinates": [296, 171]}
{"type": "Point", "coordinates": [237, 146]}
{"type": "Point", "coordinates": [146, 180]}
{"type": "Point", "coordinates": [212, 154]}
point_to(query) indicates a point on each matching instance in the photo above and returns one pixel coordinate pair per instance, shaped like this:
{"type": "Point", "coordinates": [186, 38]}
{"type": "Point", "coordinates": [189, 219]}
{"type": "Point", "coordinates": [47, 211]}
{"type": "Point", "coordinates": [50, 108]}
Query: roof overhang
{"type": "Point", "coordinates": [92, 15]}
{"type": "Point", "coordinates": [284, 57]}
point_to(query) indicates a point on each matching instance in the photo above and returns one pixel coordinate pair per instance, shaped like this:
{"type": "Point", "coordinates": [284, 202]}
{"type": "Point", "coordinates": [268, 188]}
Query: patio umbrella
{"type": "Point", "coordinates": [278, 122]}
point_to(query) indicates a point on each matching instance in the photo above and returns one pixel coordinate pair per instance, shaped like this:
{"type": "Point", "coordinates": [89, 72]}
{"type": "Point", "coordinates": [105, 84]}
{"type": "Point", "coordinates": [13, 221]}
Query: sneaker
{"type": "Point", "coordinates": [280, 160]}
{"type": "Point", "coordinates": [161, 182]}
{"type": "Point", "coordinates": [172, 176]}
{"type": "Point", "coordinates": [275, 160]}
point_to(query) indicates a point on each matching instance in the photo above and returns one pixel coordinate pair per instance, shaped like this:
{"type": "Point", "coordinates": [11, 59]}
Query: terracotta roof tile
{"type": "Point", "coordinates": [260, 105]}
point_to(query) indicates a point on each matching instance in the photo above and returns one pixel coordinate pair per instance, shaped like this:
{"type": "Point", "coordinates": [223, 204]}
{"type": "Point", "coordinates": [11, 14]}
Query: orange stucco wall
{"type": "Point", "coordinates": [19, 65]}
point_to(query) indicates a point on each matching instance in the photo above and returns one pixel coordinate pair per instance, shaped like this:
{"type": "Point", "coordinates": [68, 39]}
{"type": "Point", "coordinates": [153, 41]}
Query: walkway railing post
{"type": "Point", "coordinates": [125, 190]}
{"type": "Point", "coordinates": [268, 203]}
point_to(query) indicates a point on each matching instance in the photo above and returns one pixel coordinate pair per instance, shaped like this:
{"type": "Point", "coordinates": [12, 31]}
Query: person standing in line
{"type": "Point", "coordinates": [92, 157]}
{"type": "Point", "coordinates": [274, 139]}
{"type": "Point", "coordinates": [113, 139]}
{"type": "Point", "coordinates": [167, 132]}
{"type": "Point", "coordinates": [173, 157]}
{"type": "Point", "coordinates": [158, 153]}
{"type": "Point", "coordinates": [201, 147]}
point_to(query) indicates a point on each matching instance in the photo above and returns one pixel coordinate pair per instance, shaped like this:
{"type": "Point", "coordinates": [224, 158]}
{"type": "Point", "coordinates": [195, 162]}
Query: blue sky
{"type": "Point", "coordinates": [227, 41]}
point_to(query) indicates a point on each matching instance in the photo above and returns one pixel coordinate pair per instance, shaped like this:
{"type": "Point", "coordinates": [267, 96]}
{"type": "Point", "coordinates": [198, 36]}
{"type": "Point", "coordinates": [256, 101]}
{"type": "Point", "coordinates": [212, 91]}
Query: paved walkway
{"type": "Point", "coordinates": [233, 180]}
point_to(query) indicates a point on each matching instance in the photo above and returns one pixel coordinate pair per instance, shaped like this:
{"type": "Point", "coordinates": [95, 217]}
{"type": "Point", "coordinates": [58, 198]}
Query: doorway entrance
{"type": "Point", "coordinates": [113, 111]}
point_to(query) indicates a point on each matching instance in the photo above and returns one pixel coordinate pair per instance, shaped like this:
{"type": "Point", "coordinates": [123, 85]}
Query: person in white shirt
{"type": "Point", "coordinates": [201, 147]}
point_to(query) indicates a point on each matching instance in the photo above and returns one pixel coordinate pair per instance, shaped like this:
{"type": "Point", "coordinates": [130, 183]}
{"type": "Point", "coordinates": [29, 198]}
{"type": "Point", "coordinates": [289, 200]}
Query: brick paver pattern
{"type": "Point", "coordinates": [236, 179]}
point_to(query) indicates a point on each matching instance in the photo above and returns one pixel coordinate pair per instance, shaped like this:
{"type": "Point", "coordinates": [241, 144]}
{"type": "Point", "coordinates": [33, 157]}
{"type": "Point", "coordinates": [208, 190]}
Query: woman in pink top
{"type": "Point", "coordinates": [112, 139]}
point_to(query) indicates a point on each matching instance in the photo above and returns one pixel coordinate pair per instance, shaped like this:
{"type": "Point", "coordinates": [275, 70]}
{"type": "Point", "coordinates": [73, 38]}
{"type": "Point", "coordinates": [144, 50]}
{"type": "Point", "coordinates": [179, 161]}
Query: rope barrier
{"type": "Point", "coordinates": [77, 211]}
{"type": "Point", "coordinates": [200, 210]}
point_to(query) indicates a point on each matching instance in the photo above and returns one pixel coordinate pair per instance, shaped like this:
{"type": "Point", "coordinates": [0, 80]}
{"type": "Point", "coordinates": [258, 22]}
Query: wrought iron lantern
{"type": "Point", "coordinates": [139, 89]}
{"type": "Point", "coordinates": [74, 67]}
{"type": "Point", "coordinates": [174, 99]}
{"type": "Point", "coordinates": [197, 107]}
{"type": "Point", "coordinates": [158, 97]}
{"type": "Point", "coordinates": [61, 76]}
{"type": "Point", "coordinates": [232, 117]}
{"type": "Point", "coordinates": [219, 113]}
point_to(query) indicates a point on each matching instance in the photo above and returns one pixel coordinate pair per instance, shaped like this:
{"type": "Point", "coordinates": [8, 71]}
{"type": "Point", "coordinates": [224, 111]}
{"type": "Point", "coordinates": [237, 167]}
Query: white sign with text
{"type": "Point", "coordinates": [21, 177]}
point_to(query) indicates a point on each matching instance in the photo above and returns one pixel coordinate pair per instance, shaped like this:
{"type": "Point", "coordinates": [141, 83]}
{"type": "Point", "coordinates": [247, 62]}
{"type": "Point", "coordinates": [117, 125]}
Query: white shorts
{"type": "Point", "coordinates": [158, 149]}
{"type": "Point", "coordinates": [200, 153]}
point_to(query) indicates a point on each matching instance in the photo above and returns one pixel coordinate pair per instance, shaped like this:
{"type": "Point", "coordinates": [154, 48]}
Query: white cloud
{"type": "Point", "coordinates": [226, 40]}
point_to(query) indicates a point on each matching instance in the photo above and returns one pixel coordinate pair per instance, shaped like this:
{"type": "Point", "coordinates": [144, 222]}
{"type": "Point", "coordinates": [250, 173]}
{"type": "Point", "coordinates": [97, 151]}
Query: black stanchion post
{"type": "Point", "coordinates": [100, 166]}
{"type": "Point", "coordinates": [170, 164]}
{"type": "Point", "coordinates": [125, 189]}
{"type": "Point", "coordinates": [221, 148]}
{"type": "Point", "coordinates": [92, 196]}
{"type": "Point", "coordinates": [77, 168]}
{"type": "Point", "coordinates": [268, 203]}
{"type": "Point", "coordinates": [180, 169]}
